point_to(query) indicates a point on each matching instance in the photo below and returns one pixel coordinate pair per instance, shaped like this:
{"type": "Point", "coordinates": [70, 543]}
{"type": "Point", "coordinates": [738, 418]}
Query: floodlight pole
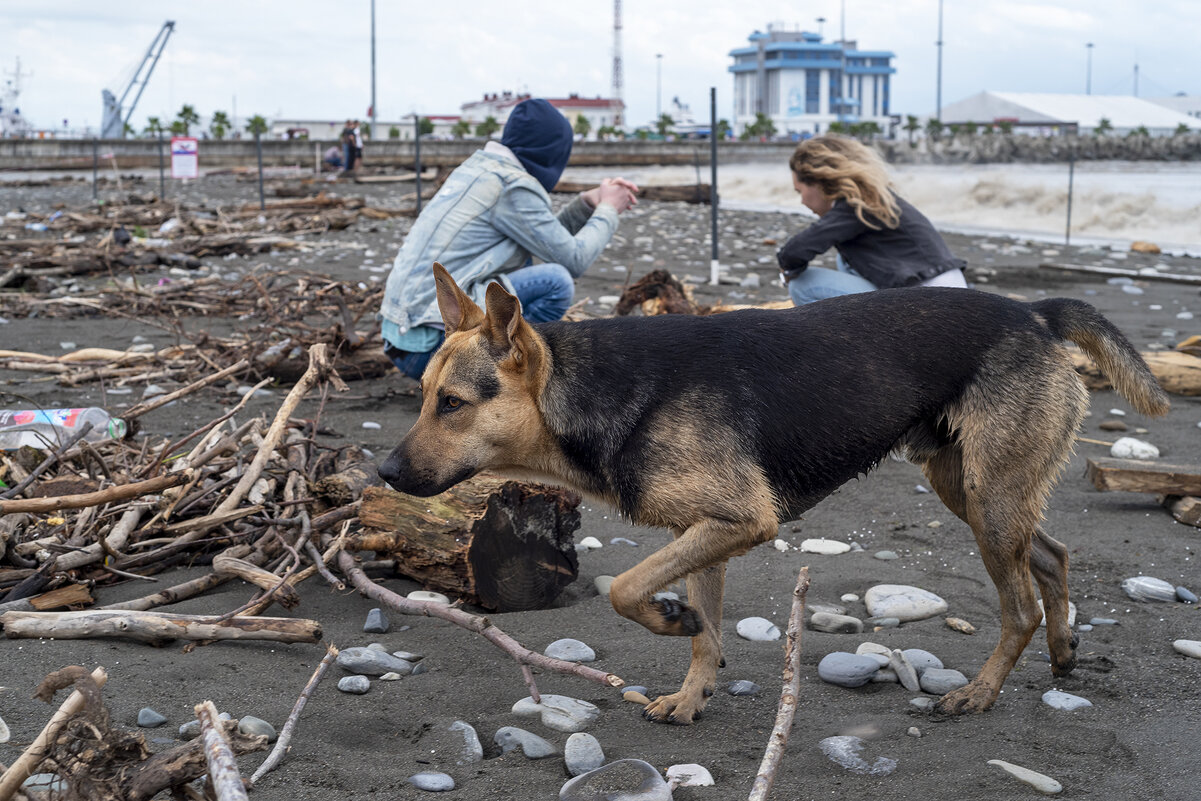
{"type": "Point", "coordinates": [1088, 80]}
{"type": "Point", "coordinates": [373, 131]}
{"type": "Point", "coordinates": [938, 89]}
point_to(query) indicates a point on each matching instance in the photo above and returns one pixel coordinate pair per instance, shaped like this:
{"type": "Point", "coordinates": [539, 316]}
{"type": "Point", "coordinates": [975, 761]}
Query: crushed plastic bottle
{"type": "Point", "coordinates": [50, 428]}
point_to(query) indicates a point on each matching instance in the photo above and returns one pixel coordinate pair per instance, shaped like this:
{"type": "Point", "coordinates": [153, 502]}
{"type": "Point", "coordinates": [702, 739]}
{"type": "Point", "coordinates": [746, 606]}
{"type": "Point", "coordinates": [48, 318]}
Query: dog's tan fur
{"type": "Point", "coordinates": [1013, 432]}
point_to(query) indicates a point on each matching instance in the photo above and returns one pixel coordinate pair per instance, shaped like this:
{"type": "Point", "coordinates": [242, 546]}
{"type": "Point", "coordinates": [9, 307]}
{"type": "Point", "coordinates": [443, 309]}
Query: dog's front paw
{"type": "Point", "coordinates": [966, 700]}
{"type": "Point", "coordinates": [679, 709]}
{"type": "Point", "coordinates": [681, 616]}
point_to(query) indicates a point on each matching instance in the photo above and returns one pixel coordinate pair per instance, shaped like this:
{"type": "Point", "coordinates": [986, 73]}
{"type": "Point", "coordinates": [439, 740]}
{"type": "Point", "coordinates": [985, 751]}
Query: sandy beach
{"type": "Point", "coordinates": [1138, 740]}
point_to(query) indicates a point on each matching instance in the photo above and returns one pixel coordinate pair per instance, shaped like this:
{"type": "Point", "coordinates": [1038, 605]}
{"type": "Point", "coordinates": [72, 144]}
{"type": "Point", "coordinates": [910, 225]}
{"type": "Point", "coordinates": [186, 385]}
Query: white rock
{"type": "Point", "coordinates": [845, 750]}
{"type": "Point", "coordinates": [570, 650]}
{"type": "Point", "coordinates": [589, 544]}
{"type": "Point", "coordinates": [781, 545]}
{"type": "Point", "coordinates": [582, 753]}
{"type": "Point", "coordinates": [849, 597]}
{"type": "Point", "coordinates": [903, 602]}
{"type": "Point", "coordinates": [371, 425]}
{"type": "Point", "coordinates": [758, 629]}
{"type": "Point", "coordinates": [1131, 448]}
{"type": "Point", "coordinates": [559, 712]}
{"type": "Point", "coordinates": [689, 775]}
{"type": "Point", "coordinates": [1071, 612]}
{"type": "Point", "coordinates": [5, 734]}
{"type": "Point", "coordinates": [1148, 588]}
{"type": "Point", "coordinates": [824, 546]}
{"type": "Point", "coordinates": [603, 583]}
{"type": "Point", "coordinates": [1065, 701]}
{"type": "Point", "coordinates": [1044, 784]}
{"type": "Point", "coordinates": [1118, 412]}
{"type": "Point", "coordinates": [1187, 647]}
{"type": "Point", "coordinates": [874, 648]}
{"type": "Point", "coordinates": [426, 595]}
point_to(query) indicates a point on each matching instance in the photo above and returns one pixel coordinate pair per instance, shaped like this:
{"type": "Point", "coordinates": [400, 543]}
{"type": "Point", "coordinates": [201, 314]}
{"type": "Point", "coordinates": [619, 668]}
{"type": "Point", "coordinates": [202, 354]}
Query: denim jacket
{"type": "Point", "coordinates": [488, 219]}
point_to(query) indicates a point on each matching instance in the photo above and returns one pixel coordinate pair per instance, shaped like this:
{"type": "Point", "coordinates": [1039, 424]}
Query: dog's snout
{"type": "Point", "coordinates": [389, 471]}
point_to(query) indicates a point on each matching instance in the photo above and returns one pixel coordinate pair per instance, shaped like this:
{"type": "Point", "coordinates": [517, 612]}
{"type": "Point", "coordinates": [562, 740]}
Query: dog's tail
{"type": "Point", "coordinates": [1079, 322]}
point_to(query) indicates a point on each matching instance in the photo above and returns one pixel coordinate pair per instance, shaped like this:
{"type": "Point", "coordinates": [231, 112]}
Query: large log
{"type": "Point", "coordinates": [504, 545]}
{"type": "Point", "coordinates": [684, 193]}
{"type": "Point", "coordinates": [156, 628]}
{"type": "Point", "coordinates": [1131, 475]}
{"type": "Point", "coordinates": [1177, 372]}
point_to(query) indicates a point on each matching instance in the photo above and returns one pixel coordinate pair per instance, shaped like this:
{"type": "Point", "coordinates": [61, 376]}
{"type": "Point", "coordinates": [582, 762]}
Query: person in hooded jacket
{"type": "Point", "coordinates": [489, 221]}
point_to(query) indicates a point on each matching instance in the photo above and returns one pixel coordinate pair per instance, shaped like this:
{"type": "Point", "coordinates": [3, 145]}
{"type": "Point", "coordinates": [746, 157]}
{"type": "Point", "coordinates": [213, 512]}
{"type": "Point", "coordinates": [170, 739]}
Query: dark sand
{"type": "Point", "coordinates": [1138, 741]}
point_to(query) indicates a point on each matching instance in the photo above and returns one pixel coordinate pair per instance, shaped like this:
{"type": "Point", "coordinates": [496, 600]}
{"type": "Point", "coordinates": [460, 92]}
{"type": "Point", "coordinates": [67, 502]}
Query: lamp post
{"type": "Point", "coordinates": [658, 87]}
{"type": "Point", "coordinates": [1088, 80]}
{"type": "Point", "coordinates": [820, 22]}
{"type": "Point", "coordinates": [938, 88]}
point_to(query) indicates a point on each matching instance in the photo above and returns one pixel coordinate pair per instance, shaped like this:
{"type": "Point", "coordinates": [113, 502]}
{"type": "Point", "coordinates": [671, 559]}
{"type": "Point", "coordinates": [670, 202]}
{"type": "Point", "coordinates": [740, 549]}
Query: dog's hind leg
{"type": "Point", "coordinates": [1049, 564]}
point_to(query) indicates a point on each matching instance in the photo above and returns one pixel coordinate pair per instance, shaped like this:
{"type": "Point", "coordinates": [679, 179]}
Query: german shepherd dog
{"type": "Point", "coordinates": [722, 427]}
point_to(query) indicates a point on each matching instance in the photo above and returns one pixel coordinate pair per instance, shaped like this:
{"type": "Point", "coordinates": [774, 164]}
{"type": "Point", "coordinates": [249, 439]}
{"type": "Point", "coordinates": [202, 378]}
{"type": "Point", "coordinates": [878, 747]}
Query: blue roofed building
{"type": "Point", "coordinates": [803, 83]}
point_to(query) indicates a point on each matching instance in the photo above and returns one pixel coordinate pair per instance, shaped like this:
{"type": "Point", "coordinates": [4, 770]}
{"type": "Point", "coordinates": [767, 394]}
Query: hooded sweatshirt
{"type": "Point", "coordinates": [540, 137]}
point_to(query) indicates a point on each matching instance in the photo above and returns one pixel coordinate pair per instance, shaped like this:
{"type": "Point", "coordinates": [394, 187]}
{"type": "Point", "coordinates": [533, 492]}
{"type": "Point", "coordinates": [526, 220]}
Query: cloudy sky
{"type": "Point", "coordinates": [305, 59]}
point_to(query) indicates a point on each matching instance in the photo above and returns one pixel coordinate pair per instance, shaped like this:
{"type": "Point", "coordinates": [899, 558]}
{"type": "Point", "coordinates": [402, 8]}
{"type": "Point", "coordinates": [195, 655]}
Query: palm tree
{"type": "Point", "coordinates": [256, 125]}
{"type": "Point", "coordinates": [154, 126]}
{"type": "Point", "coordinates": [582, 125]}
{"type": "Point", "coordinates": [488, 127]}
{"type": "Point", "coordinates": [461, 128]}
{"type": "Point", "coordinates": [934, 129]}
{"type": "Point", "coordinates": [664, 123]}
{"type": "Point", "coordinates": [425, 126]}
{"type": "Point", "coordinates": [1181, 130]}
{"type": "Point", "coordinates": [723, 129]}
{"type": "Point", "coordinates": [187, 117]}
{"type": "Point", "coordinates": [393, 132]}
{"type": "Point", "coordinates": [912, 126]}
{"type": "Point", "coordinates": [1103, 127]}
{"type": "Point", "coordinates": [219, 124]}
{"type": "Point", "coordinates": [179, 128]}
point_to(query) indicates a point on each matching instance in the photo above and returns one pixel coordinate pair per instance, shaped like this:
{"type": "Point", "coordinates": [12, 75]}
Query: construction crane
{"type": "Point", "coordinates": [115, 122]}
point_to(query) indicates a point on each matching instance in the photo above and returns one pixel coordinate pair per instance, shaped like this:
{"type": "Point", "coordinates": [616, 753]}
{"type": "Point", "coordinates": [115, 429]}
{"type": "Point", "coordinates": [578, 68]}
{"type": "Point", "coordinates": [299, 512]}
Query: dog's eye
{"type": "Point", "coordinates": [452, 402]}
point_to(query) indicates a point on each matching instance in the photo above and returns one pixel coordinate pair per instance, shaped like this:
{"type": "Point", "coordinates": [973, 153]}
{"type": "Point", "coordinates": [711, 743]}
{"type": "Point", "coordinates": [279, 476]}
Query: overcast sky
{"type": "Point", "coordinates": [305, 59]}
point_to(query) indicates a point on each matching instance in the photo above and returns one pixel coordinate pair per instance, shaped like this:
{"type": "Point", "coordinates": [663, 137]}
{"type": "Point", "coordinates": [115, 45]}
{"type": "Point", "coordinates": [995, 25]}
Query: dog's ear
{"type": "Point", "coordinates": [459, 312]}
{"type": "Point", "coordinates": [504, 326]}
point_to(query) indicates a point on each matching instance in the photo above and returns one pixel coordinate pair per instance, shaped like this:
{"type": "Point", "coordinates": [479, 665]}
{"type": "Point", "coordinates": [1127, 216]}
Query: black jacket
{"type": "Point", "coordinates": [907, 255]}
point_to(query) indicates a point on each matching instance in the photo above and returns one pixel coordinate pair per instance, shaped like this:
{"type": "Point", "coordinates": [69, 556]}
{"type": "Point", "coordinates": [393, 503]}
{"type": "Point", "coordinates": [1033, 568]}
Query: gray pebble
{"type": "Point", "coordinates": [582, 753]}
{"type": "Point", "coordinates": [420, 668]}
{"type": "Point", "coordinates": [1103, 621]}
{"type": "Point", "coordinates": [470, 750]}
{"type": "Point", "coordinates": [371, 661]}
{"type": "Point", "coordinates": [570, 650]}
{"type": "Point", "coordinates": [356, 685]}
{"type": "Point", "coordinates": [829, 609]}
{"type": "Point", "coordinates": [940, 681]}
{"type": "Point", "coordinates": [253, 726]}
{"type": "Point", "coordinates": [922, 704]}
{"type": "Point", "coordinates": [757, 629]}
{"type": "Point", "coordinates": [147, 718]}
{"type": "Point", "coordinates": [1185, 595]}
{"type": "Point", "coordinates": [1064, 701]}
{"type": "Point", "coordinates": [883, 622]}
{"type": "Point", "coordinates": [846, 670]}
{"type": "Point", "coordinates": [741, 687]}
{"type": "Point", "coordinates": [885, 676]}
{"type": "Point", "coordinates": [1148, 588]}
{"type": "Point", "coordinates": [1084, 627]}
{"type": "Point", "coordinates": [408, 656]}
{"type": "Point", "coordinates": [885, 556]}
{"type": "Point", "coordinates": [921, 659]}
{"type": "Point", "coordinates": [603, 583]}
{"type": "Point", "coordinates": [638, 688]}
{"type": "Point", "coordinates": [559, 712]}
{"type": "Point", "coordinates": [432, 781]}
{"type": "Point", "coordinates": [835, 624]}
{"type": "Point", "coordinates": [906, 674]}
{"type": "Point", "coordinates": [50, 783]}
{"type": "Point", "coordinates": [627, 779]}
{"type": "Point", "coordinates": [189, 730]}
{"type": "Point", "coordinates": [622, 541]}
{"type": "Point", "coordinates": [377, 623]}
{"type": "Point", "coordinates": [530, 744]}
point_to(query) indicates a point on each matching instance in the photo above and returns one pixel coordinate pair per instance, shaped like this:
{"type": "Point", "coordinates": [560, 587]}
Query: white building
{"type": "Point", "coordinates": [1063, 113]}
{"type": "Point", "coordinates": [600, 112]}
{"type": "Point", "coordinates": [803, 84]}
{"type": "Point", "coordinates": [1182, 103]}
{"type": "Point", "coordinates": [331, 130]}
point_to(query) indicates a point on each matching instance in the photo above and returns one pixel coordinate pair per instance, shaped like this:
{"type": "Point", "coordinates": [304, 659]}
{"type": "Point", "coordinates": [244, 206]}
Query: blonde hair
{"type": "Point", "coordinates": [844, 168]}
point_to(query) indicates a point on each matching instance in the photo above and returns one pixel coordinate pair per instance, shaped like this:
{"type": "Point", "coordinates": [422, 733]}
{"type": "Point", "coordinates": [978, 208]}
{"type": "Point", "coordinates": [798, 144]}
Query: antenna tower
{"type": "Point", "coordinates": [619, 117]}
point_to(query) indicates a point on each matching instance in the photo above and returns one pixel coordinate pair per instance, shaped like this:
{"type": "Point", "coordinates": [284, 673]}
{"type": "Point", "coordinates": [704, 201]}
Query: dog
{"type": "Point", "coordinates": [722, 427]}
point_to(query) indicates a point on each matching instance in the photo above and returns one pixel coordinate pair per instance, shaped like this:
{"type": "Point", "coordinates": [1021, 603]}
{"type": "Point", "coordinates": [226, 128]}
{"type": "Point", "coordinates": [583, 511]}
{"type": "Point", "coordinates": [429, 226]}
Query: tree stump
{"type": "Point", "coordinates": [503, 545]}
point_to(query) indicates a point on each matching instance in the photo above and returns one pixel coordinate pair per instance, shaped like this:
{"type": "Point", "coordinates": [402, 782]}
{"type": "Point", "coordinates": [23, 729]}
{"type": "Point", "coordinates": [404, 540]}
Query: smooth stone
{"type": "Point", "coordinates": [570, 650]}
{"type": "Point", "coordinates": [426, 595]}
{"type": "Point", "coordinates": [903, 602]}
{"type": "Point", "coordinates": [913, 731]}
{"type": "Point", "coordinates": [870, 647]}
{"type": "Point", "coordinates": [885, 676]}
{"type": "Point", "coordinates": [356, 685]}
{"type": "Point", "coordinates": [432, 781]}
{"type": "Point", "coordinates": [885, 556]}
{"type": "Point", "coordinates": [849, 598]}
{"type": "Point", "coordinates": [419, 669]}
{"type": "Point", "coordinates": [962, 626]}
{"type": "Point", "coordinates": [757, 629]}
{"type": "Point", "coordinates": [1148, 588]}
{"type": "Point", "coordinates": [689, 775]}
{"type": "Point", "coordinates": [638, 688]}
{"type": "Point", "coordinates": [559, 712]}
{"type": "Point", "coordinates": [1044, 784]}
{"type": "Point", "coordinates": [589, 544]}
{"type": "Point", "coordinates": [390, 677]}
{"type": "Point", "coordinates": [1064, 701]}
{"type": "Point", "coordinates": [1188, 647]}
{"type": "Point", "coordinates": [408, 656]}
{"type": "Point", "coordinates": [1084, 627]}
{"type": "Point", "coordinates": [253, 726]}
{"type": "Point", "coordinates": [1185, 595]}
{"type": "Point", "coordinates": [603, 583]}
{"type": "Point", "coordinates": [371, 662]}
{"type": "Point", "coordinates": [883, 622]}
{"type": "Point", "coordinates": [881, 658]}
{"type": "Point", "coordinates": [533, 746]}
{"type": "Point", "coordinates": [940, 681]}
{"type": "Point", "coordinates": [846, 670]}
{"type": "Point", "coordinates": [1113, 425]}
{"type": "Point", "coordinates": [147, 719]}
{"type": "Point", "coordinates": [6, 735]}
{"type": "Point", "coordinates": [623, 780]}
{"type": "Point", "coordinates": [923, 704]}
{"type": "Point", "coordinates": [1071, 614]}
{"type": "Point", "coordinates": [743, 687]}
{"type": "Point", "coordinates": [189, 730]}
{"type": "Point", "coordinates": [906, 674]}
{"type": "Point", "coordinates": [824, 546]}
{"type": "Point", "coordinates": [635, 697]}
{"type": "Point", "coordinates": [377, 622]}
{"type": "Point", "coordinates": [469, 748]}
{"type": "Point", "coordinates": [1103, 621]}
{"type": "Point", "coordinates": [623, 541]}
{"type": "Point", "coordinates": [582, 753]}
{"type": "Point", "coordinates": [829, 609]}
{"type": "Point", "coordinates": [836, 624]}
{"type": "Point", "coordinates": [845, 750]}
{"type": "Point", "coordinates": [46, 783]}
{"type": "Point", "coordinates": [1131, 448]}
{"type": "Point", "coordinates": [921, 659]}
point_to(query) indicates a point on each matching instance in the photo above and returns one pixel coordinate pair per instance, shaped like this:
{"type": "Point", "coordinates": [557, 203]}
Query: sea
{"type": "Point", "coordinates": [1114, 203]}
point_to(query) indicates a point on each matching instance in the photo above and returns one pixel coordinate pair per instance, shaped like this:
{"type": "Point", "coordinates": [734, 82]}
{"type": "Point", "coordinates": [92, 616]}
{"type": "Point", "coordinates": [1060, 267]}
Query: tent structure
{"type": "Point", "coordinates": [1082, 113]}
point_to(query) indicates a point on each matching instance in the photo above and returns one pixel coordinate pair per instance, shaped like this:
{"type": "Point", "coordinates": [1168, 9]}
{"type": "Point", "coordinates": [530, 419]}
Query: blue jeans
{"type": "Point", "coordinates": [545, 292]}
{"type": "Point", "coordinates": [818, 283]}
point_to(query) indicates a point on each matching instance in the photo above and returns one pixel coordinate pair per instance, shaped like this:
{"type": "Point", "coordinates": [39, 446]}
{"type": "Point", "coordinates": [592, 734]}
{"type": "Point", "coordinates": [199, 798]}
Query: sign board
{"type": "Point", "coordinates": [185, 158]}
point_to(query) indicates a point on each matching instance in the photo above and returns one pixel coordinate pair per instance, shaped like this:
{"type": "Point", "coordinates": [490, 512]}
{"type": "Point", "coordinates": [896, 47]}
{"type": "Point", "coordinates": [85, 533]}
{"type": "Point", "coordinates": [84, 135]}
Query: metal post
{"type": "Point", "coordinates": [162, 180]}
{"type": "Point", "coordinates": [658, 87]}
{"type": "Point", "coordinates": [258, 147]}
{"type": "Point", "coordinates": [316, 158]}
{"type": "Point", "coordinates": [938, 88]}
{"type": "Point", "coordinates": [417, 155]}
{"type": "Point", "coordinates": [714, 264]}
{"type": "Point", "coordinates": [95, 169]}
{"type": "Point", "coordinates": [1067, 235]}
{"type": "Point", "coordinates": [374, 133]}
{"type": "Point", "coordinates": [1088, 78]}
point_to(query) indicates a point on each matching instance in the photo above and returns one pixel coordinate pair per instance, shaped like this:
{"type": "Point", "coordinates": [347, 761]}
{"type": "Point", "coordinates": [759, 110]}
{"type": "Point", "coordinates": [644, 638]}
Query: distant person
{"type": "Point", "coordinates": [882, 240]}
{"type": "Point", "coordinates": [488, 222]}
{"type": "Point", "coordinates": [347, 141]}
{"type": "Point", "coordinates": [333, 158]}
{"type": "Point", "coordinates": [357, 157]}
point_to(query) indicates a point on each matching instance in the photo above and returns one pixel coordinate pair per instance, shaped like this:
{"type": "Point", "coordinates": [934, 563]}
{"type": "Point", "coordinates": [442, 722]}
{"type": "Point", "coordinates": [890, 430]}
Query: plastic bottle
{"type": "Point", "coordinates": [50, 428]}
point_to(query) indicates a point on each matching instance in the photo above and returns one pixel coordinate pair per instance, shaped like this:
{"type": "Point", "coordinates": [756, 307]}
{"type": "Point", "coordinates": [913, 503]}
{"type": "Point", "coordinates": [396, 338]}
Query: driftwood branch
{"type": "Point", "coordinates": [285, 735]}
{"type": "Point", "coordinates": [788, 693]}
{"type": "Point", "coordinates": [122, 492]}
{"type": "Point", "coordinates": [163, 400]}
{"type": "Point", "coordinates": [156, 628]}
{"type": "Point", "coordinates": [223, 771]}
{"type": "Point", "coordinates": [28, 762]}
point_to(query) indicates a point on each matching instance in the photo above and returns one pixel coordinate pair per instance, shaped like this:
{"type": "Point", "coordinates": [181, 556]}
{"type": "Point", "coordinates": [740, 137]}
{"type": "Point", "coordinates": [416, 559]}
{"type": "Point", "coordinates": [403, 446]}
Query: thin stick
{"type": "Point", "coordinates": [285, 736]}
{"type": "Point", "coordinates": [528, 675]}
{"type": "Point", "coordinates": [788, 693]}
{"type": "Point", "coordinates": [28, 762]}
{"type": "Point", "coordinates": [162, 400]}
{"type": "Point", "coordinates": [1094, 441]}
{"type": "Point", "coordinates": [480, 625]}
{"type": "Point", "coordinates": [119, 493]}
{"type": "Point", "coordinates": [223, 771]}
